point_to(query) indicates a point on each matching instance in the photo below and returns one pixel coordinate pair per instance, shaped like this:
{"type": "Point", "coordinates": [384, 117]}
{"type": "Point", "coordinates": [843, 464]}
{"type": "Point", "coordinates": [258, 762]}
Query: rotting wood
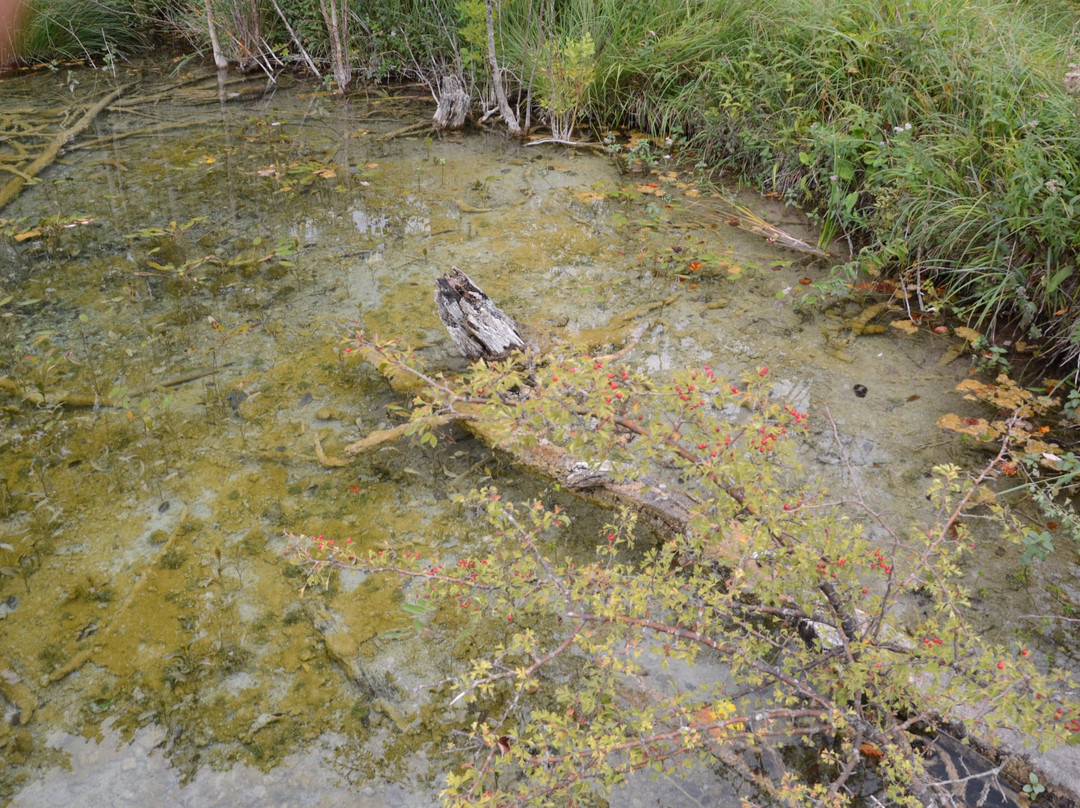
{"type": "Point", "coordinates": [46, 158]}
{"type": "Point", "coordinates": [453, 103]}
{"type": "Point", "coordinates": [665, 509]}
{"type": "Point", "coordinates": [146, 131]}
{"type": "Point", "coordinates": [129, 103]}
{"type": "Point", "coordinates": [465, 207]}
{"type": "Point", "coordinates": [404, 131]}
{"type": "Point", "coordinates": [479, 328]}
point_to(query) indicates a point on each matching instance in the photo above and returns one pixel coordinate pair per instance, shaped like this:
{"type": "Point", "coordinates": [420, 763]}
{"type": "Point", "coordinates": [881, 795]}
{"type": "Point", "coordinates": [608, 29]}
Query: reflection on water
{"type": "Point", "coordinates": [136, 772]}
{"type": "Point", "coordinates": [170, 342]}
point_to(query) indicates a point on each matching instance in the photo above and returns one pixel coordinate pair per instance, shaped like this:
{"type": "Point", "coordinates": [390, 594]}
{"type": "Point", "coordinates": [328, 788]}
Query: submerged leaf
{"type": "Point", "coordinates": [978, 428]}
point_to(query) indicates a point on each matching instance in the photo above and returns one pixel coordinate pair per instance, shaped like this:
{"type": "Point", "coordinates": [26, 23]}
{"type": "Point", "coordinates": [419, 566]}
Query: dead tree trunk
{"type": "Point", "coordinates": [453, 103]}
{"type": "Point", "coordinates": [479, 329]}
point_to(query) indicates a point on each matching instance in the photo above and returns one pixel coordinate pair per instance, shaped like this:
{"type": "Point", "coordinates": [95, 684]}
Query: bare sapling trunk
{"type": "Point", "coordinates": [219, 58]}
{"type": "Point", "coordinates": [296, 41]}
{"type": "Point", "coordinates": [337, 29]}
{"type": "Point", "coordinates": [508, 115]}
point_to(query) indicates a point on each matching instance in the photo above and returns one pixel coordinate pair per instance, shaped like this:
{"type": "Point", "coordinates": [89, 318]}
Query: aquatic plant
{"type": "Point", "coordinates": [759, 573]}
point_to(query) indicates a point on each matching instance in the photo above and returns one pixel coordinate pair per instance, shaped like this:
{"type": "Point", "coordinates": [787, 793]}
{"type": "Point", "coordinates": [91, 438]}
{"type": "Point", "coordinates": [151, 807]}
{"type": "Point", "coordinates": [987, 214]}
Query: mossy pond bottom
{"type": "Point", "coordinates": [174, 296]}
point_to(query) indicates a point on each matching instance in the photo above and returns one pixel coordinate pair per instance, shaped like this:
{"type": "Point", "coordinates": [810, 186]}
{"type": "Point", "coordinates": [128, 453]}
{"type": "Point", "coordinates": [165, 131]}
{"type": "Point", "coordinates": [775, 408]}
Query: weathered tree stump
{"type": "Point", "coordinates": [453, 103]}
{"type": "Point", "coordinates": [479, 329]}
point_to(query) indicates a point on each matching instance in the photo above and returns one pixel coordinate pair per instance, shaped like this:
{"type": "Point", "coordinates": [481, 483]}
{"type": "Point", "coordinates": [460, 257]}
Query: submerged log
{"type": "Point", "coordinates": [453, 103]}
{"type": "Point", "coordinates": [479, 329]}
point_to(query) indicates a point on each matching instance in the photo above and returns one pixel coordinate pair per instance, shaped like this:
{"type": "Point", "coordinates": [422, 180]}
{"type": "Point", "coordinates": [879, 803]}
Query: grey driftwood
{"type": "Point", "coordinates": [479, 328]}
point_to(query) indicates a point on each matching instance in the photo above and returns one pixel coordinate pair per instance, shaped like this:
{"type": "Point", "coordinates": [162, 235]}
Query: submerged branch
{"type": "Point", "coordinates": [46, 158]}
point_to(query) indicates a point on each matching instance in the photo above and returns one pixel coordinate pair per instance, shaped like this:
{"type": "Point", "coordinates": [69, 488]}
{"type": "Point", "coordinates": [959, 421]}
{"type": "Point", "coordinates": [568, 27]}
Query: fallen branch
{"type": "Point", "coordinates": [745, 219]}
{"type": "Point", "coordinates": [144, 132]}
{"type": "Point", "coordinates": [46, 158]}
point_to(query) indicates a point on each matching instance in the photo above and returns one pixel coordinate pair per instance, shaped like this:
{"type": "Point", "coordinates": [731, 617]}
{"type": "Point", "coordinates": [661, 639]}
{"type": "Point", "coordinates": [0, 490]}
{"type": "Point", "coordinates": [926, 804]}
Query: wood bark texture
{"type": "Point", "coordinates": [479, 328]}
{"type": "Point", "coordinates": [453, 103]}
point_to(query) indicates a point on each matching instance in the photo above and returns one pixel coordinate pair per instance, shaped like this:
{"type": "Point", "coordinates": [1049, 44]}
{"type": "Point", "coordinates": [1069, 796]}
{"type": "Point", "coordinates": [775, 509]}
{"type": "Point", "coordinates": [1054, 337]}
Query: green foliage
{"type": "Point", "coordinates": [74, 29]}
{"type": "Point", "coordinates": [1037, 545]}
{"type": "Point", "coordinates": [473, 30]}
{"type": "Point", "coordinates": [1033, 788]}
{"type": "Point", "coordinates": [942, 134]}
{"type": "Point", "coordinates": [566, 73]}
{"type": "Point", "coordinates": [768, 577]}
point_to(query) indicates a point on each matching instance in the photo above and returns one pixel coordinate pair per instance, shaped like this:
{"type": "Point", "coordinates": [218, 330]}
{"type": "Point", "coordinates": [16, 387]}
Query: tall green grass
{"type": "Point", "coordinates": [80, 29]}
{"type": "Point", "coordinates": [938, 132]}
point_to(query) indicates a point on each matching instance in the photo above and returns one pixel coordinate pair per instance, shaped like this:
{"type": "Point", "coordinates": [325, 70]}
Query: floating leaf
{"type": "Point", "coordinates": [650, 188]}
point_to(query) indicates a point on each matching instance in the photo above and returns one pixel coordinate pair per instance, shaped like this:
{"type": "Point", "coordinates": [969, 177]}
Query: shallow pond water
{"type": "Point", "coordinates": [181, 278]}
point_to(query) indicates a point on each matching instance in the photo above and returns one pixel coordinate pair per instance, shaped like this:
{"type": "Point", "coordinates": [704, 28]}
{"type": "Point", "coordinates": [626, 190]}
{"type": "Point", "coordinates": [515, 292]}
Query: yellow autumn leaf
{"type": "Point", "coordinates": [27, 234]}
{"type": "Point", "coordinates": [651, 188]}
{"type": "Point", "coordinates": [974, 390]}
{"type": "Point", "coordinates": [1006, 394]}
{"type": "Point", "coordinates": [970, 334]}
{"type": "Point", "coordinates": [1045, 451]}
{"type": "Point", "coordinates": [906, 326]}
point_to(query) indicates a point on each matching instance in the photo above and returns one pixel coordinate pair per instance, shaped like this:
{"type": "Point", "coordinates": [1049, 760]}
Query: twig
{"type": "Point", "coordinates": [561, 142]}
